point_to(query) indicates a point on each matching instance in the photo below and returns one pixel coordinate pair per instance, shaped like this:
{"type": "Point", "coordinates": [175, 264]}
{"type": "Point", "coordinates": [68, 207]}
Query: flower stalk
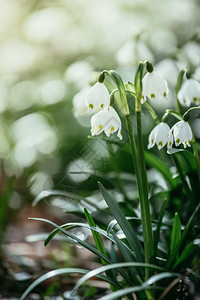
{"type": "Point", "coordinates": [137, 155]}
{"type": "Point", "coordinates": [178, 86]}
{"type": "Point", "coordinates": [145, 209]}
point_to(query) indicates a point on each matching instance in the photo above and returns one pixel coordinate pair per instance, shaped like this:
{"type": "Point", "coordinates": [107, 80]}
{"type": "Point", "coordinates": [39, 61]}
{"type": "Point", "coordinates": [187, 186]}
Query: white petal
{"type": "Point", "coordinates": [159, 136]}
{"type": "Point", "coordinates": [98, 97]}
{"type": "Point", "coordinates": [189, 92]}
{"type": "Point", "coordinates": [106, 120]}
{"type": "Point", "coordinates": [182, 133]}
{"type": "Point", "coordinates": [154, 87]}
{"type": "Point", "coordinates": [170, 139]}
{"type": "Point", "coordinates": [79, 106]}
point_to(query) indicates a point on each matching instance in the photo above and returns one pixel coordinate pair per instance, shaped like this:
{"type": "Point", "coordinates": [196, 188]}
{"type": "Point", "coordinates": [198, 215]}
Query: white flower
{"type": "Point", "coordinates": [106, 120]}
{"type": "Point", "coordinates": [97, 98]}
{"type": "Point", "coordinates": [189, 92]}
{"type": "Point", "coordinates": [79, 106]}
{"type": "Point", "coordinates": [159, 136]}
{"type": "Point", "coordinates": [154, 87]}
{"type": "Point", "coordinates": [182, 133]}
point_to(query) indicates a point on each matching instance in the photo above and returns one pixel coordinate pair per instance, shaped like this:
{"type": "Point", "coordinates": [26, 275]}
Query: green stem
{"type": "Point", "coordinates": [142, 190]}
{"type": "Point", "coordinates": [152, 112]}
{"type": "Point", "coordinates": [178, 86]}
{"type": "Point", "coordinates": [144, 202]}
{"type": "Point", "coordinates": [146, 209]}
{"type": "Point", "coordinates": [137, 156]}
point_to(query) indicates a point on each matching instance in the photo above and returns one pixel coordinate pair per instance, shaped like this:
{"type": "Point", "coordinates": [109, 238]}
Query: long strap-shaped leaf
{"type": "Point", "coordinates": [102, 269]}
{"type": "Point", "coordinates": [57, 273]}
{"type": "Point", "coordinates": [173, 255]}
{"type": "Point", "coordinates": [50, 275]}
{"type": "Point", "coordinates": [124, 224]}
{"type": "Point", "coordinates": [74, 237]}
{"type": "Point", "coordinates": [96, 229]}
{"type": "Point", "coordinates": [128, 258]}
{"type": "Point", "coordinates": [145, 286]}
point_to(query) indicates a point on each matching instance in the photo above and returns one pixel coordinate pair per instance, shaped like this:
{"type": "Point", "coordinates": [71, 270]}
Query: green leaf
{"type": "Point", "coordinates": [145, 286]}
{"type": "Point", "coordinates": [155, 162]}
{"type": "Point", "coordinates": [50, 275]}
{"type": "Point", "coordinates": [117, 266]}
{"type": "Point", "coordinates": [185, 158]}
{"type": "Point", "coordinates": [124, 224]}
{"type": "Point", "coordinates": [96, 229]}
{"type": "Point", "coordinates": [176, 232]}
{"type": "Point", "coordinates": [57, 273]}
{"type": "Point", "coordinates": [114, 222]}
{"type": "Point", "coordinates": [70, 225]}
{"type": "Point", "coordinates": [157, 232]}
{"type": "Point", "coordinates": [99, 245]}
{"type": "Point", "coordinates": [128, 258]}
{"type": "Point", "coordinates": [189, 252]}
{"type": "Point", "coordinates": [74, 237]}
{"type": "Point", "coordinates": [96, 236]}
{"type": "Point", "coordinates": [182, 238]}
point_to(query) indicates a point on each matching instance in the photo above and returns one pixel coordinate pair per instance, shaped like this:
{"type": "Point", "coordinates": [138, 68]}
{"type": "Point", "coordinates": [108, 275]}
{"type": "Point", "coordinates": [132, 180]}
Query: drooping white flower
{"type": "Point", "coordinates": [97, 98]}
{"type": "Point", "coordinates": [154, 87]}
{"type": "Point", "coordinates": [159, 136]}
{"type": "Point", "coordinates": [79, 106]}
{"type": "Point", "coordinates": [106, 120]}
{"type": "Point", "coordinates": [182, 133]}
{"type": "Point", "coordinates": [189, 92]}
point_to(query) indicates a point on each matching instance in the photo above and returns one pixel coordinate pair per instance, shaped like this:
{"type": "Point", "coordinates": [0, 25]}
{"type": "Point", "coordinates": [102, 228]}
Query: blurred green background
{"type": "Point", "coordinates": [51, 50]}
{"type": "Point", "coordinates": [48, 53]}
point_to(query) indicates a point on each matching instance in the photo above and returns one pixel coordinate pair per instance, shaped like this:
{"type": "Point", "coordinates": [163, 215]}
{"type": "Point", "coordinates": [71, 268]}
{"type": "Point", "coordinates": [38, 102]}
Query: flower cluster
{"type": "Point", "coordinates": [161, 135]}
{"type": "Point", "coordinates": [96, 101]}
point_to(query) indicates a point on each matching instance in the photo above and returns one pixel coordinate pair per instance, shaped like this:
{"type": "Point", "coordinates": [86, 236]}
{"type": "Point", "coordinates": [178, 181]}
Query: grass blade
{"type": "Point", "coordinates": [145, 286]}
{"type": "Point", "coordinates": [124, 224]}
{"type": "Point", "coordinates": [82, 243]}
{"type": "Point", "coordinates": [128, 258]}
{"type": "Point", "coordinates": [117, 266]}
{"type": "Point", "coordinates": [157, 232]}
{"type": "Point", "coordinates": [189, 252]}
{"type": "Point", "coordinates": [96, 235]}
{"type": "Point", "coordinates": [182, 239]}
{"type": "Point", "coordinates": [50, 275]}
{"type": "Point", "coordinates": [176, 232]}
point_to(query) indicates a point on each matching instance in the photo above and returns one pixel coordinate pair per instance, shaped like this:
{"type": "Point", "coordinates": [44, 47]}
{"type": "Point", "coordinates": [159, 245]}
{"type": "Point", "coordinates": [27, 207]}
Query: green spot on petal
{"type": "Point", "coordinates": [91, 106]}
{"type": "Point", "coordinates": [153, 96]}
